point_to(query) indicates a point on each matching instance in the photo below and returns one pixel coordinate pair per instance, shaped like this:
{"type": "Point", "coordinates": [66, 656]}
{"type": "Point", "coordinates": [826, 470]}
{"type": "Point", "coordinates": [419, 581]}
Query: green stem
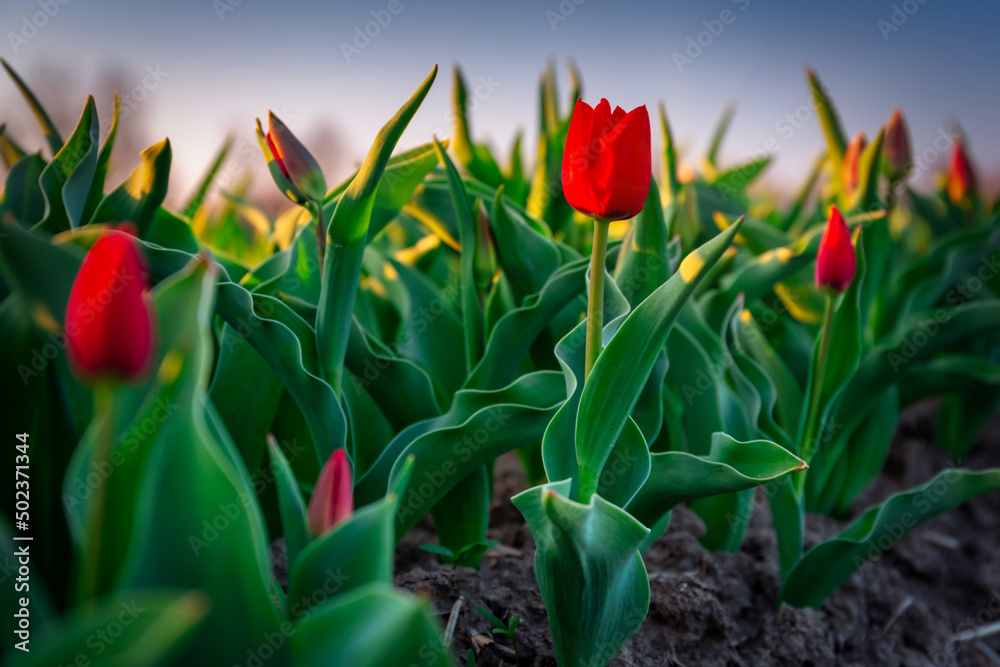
{"type": "Point", "coordinates": [317, 211]}
{"type": "Point", "coordinates": [595, 304]}
{"type": "Point", "coordinates": [104, 411]}
{"type": "Point", "coordinates": [809, 436]}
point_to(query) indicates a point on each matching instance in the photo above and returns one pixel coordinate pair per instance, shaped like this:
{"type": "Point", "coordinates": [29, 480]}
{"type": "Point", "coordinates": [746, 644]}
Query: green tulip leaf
{"type": "Point", "coordinates": [589, 571]}
{"type": "Point", "coordinates": [621, 371]}
{"type": "Point", "coordinates": [829, 564]}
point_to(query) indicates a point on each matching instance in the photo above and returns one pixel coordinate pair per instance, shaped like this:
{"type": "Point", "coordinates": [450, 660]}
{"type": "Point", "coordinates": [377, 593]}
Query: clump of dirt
{"type": "Point", "coordinates": [718, 609]}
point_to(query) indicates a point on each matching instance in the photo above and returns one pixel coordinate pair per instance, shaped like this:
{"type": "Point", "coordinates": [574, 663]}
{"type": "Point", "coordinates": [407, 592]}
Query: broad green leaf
{"type": "Point", "coordinates": [21, 253]}
{"type": "Point", "coordinates": [197, 524]}
{"type": "Point", "coordinates": [23, 201]}
{"type": "Point", "coordinates": [48, 128]}
{"type": "Point", "coordinates": [356, 552]}
{"type": "Point", "coordinates": [829, 564]}
{"type": "Point", "coordinates": [589, 572]}
{"type": "Point", "coordinates": [245, 391]}
{"type": "Point", "coordinates": [66, 181]}
{"type": "Point", "coordinates": [526, 256]}
{"type": "Point", "coordinates": [620, 373]}
{"type": "Point", "coordinates": [374, 625]}
{"type": "Point", "coordinates": [852, 456]}
{"type": "Point", "coordinates": [462, 516]}
{"type": "Point", "coordinates": [733, 181]}
{"type": "Point", "coordinates": [646, 264]}
{"type": "Point", "coordinates": [96, 193]}
{"type": "Point", "coordinates": [514, 334]}
{"type": "Point", "coordinates": [291, 506]}
{"type": "Point", "coordinates": [151, 626]}
{"type": "Point", "coordinates": [401, 388]}
{"type": "Point", "coordinates": [403, 174]}
{"type": "Point", "coordinates": [559, 442]}
{"type": "Point", "coordinates": [479, 427]}
{"type": "Point", "coordinates": [472, 315]}
{"type": "Point", "coordinates": [627, 469]}
{"type": "Point", "coordinates": [346, 239]}
{"type": "Point", "coordinates": [729, 466]}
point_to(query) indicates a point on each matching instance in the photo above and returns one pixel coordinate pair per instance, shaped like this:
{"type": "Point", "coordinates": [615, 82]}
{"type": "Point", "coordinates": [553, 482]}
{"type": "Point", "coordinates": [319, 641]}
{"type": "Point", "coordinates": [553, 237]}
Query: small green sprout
{"type": "Point", "coordinates": [501, 628]}
{"type": "Point", "coordinates": [465, 557]}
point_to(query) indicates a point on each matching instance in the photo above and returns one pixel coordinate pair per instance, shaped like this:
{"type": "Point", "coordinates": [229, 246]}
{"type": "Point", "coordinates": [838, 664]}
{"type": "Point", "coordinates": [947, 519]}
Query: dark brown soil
{"type": "Point", "coordinates": [713, 609]}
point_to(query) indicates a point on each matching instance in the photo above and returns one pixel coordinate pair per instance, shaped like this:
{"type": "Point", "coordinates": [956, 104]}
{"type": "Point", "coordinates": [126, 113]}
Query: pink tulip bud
{"type": "Point", "coordinates": [332, 500]}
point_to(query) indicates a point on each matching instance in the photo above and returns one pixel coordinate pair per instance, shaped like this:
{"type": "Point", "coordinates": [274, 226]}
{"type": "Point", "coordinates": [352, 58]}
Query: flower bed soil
{"type": "Point", "coordinates": [718, 609]}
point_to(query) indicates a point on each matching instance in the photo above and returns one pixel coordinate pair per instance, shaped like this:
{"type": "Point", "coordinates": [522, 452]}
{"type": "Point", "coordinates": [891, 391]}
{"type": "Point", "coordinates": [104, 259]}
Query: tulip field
{"type": "Point", "coordinates": [606, 406]}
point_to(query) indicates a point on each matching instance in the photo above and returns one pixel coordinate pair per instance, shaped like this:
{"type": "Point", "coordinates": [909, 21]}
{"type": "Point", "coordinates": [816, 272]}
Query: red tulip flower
{"type": "Point", "coordinates": [835, 261]}
{"type": "Point", "coordinates": [607, 164]}
{"type": "Point", "coordinates": [852, 157]}
{"type": "Point", "coordinates": [961, 177]}
{"type": "Point", "coordinates": [109, 320]}
{"type": "Point", "coordinates": [332, 500]}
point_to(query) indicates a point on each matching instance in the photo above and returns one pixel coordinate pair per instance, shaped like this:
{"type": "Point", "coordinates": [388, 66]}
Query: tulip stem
{"type": "Point", "coordinates": [595, 303]}
{"type": "Point", "coordinates": [320, 232]}
{"type": "Point", "coordinates": [103, 409]}
{"type": "Point", "coordinates": [810, 439]}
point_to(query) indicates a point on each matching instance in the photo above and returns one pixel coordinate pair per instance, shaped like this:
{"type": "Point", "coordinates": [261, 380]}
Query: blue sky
{"type": "Point", "coordinates": [223, 62]}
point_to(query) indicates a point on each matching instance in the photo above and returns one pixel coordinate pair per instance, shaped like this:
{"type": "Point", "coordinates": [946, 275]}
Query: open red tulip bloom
{"type": "Point", "coordinates": [607, 163]}
{"type": "Point", "coordinates": [332, 500]}
{"type": "Point", "coordinates": [835, 261]}
{"type": "Point", "coordinates": [109, 317]}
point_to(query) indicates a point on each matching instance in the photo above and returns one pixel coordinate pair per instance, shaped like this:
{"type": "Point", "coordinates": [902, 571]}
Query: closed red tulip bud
{"type": "Point", "coordinates": [293, 167]}
{"type": "Point", "coordinates": [109, 320]}
{"type": "Point", "coordinates": [332, 500]}
{"type": "Point", "coordinates": [896, 149]}
{"type": "Point", "coordinates": [961, 177]}
{"type": "Point", "coordinates": [607, 163]}
{"type": "Point", "coordinates": [835, 261]}
{"type": "Point", "coordinates": [852, 156]}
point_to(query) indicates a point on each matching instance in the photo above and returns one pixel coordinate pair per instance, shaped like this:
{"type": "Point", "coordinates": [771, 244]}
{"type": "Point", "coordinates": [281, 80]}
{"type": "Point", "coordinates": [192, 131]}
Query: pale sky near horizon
{"type": "Point", "coordinates": [221, 63]}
